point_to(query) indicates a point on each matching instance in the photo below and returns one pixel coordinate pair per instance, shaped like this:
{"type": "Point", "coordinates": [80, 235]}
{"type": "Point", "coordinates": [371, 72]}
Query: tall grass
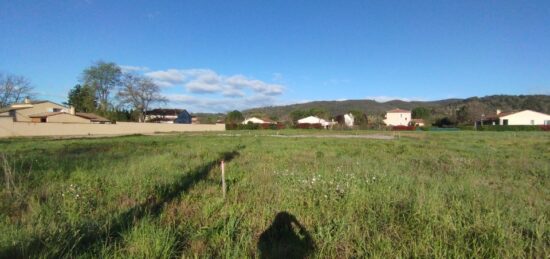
{"type": "Point", "coordinates": [426, 194]}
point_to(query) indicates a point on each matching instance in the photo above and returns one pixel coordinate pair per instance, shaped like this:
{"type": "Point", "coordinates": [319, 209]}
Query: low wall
{"type": "Point", "coordinates": [8, 128]}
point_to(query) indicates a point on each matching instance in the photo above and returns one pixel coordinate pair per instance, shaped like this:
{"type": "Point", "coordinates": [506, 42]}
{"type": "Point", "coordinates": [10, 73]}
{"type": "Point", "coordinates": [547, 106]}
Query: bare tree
{"type": "Point", "coordinates": [139, 92]}
{"type": "Point", "coordinates": [14, 89]}
{"type": "Point", "coordinates": [103, 77]}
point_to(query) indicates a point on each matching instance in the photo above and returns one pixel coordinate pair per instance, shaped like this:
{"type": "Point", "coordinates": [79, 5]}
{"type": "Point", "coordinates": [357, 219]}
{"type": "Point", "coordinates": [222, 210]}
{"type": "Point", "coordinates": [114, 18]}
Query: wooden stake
{"type": "Point", "coordinates": [223, 178]}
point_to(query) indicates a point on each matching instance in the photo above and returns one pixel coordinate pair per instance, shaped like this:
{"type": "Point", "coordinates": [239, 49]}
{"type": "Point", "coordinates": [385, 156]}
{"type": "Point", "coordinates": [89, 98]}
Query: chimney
{"type": "Point", "coordinates": [27, 100]}
{"type": "Point", "coordinates": [71, 110]}
{"type": "Point", "coordinates": [498, 111]}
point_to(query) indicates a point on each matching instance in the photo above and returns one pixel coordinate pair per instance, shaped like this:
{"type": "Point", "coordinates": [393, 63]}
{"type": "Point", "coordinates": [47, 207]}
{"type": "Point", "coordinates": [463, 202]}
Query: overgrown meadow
{"type": "Point", "coordinates": [424, 194]}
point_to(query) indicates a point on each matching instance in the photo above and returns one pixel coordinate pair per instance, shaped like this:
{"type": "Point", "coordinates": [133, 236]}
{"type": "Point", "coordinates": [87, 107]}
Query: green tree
{"type": "Point", "coordinates": [421, 113]}
{"type": "Point", "coordinates": [82, 98]}
{"type": "Point", "coordinates": [297, 114]}
{"type": "Point", "coordinates": [359, 117]}
{"type": "Point", "coordinates": [234, 117]}
{"type": "Point", "coordinates": [103, 77]}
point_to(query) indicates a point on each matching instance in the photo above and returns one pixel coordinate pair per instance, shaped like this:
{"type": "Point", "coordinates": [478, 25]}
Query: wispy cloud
{"type": "Point", "coordinates": [205, 90]}
{"type": "Point", "coordinates": [206, 81]}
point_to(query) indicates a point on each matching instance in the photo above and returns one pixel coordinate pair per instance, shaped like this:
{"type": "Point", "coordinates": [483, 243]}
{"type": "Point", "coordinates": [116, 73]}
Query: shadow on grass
{"type": "Point", "coordinates": [122, 223]}
{"type": "Point", "coordinates": [285, 238]}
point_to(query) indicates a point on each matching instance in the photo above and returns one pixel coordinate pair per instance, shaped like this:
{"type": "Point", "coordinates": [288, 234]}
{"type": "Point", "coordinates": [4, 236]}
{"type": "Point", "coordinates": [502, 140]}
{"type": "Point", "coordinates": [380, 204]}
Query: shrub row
{"type": "Point", "coordinates": [308, 126]}
{"type": "Point", "coordinates": [514, 128]}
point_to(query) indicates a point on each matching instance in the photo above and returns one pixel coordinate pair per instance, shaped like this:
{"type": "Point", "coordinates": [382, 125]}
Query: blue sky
{"type": "Point", "coordinates": [223, 55]}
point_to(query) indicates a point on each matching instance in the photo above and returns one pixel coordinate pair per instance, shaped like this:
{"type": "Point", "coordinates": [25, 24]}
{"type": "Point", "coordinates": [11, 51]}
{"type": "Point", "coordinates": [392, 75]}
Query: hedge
{"type": "Point", "coordinates": [514, 128]}
{"type": "Point", "coordinates": [396, 128]}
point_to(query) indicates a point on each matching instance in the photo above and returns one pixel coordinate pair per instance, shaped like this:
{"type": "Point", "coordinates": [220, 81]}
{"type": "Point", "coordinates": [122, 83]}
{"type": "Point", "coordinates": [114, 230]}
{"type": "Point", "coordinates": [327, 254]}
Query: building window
{"type": "Point", "coordinates": [532, 122]}
{"type": "Point", "coordinates": [504, 122]}
{"type": "Point", "coordinates": [57, 110]}
{"type": "Point", "coordinates": [547, 122]}
{"type": "Point", "coordinates": [43, 119]}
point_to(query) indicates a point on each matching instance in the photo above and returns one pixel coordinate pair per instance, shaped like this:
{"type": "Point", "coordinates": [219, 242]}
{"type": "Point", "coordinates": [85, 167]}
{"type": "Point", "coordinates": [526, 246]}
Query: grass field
{"type": "Point", "coordinates": [424, 194]}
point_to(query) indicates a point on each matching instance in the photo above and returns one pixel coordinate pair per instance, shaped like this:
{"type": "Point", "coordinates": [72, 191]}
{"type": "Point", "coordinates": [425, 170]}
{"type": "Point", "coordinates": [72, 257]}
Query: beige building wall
{"type": "Point", "coordinates": [397, 118]}
{"type": "Point", "coordinates": [9, 128]}
{"type": "Point", "coordinates": [526, 117]}
{"type": "Point", "coordinates": [23, 114]}
{"type": "Point", "coordinates": [67, 118]}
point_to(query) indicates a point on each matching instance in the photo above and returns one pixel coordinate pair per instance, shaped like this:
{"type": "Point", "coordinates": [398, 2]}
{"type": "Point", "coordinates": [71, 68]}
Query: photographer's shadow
{"type": "Point", "coordinates": [285, 238]}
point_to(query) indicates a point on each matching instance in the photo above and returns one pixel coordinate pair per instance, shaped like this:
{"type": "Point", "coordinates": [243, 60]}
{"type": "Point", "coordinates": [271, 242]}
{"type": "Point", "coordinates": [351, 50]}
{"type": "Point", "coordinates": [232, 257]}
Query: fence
{"type": "Point", "coordinates": [9, 128]}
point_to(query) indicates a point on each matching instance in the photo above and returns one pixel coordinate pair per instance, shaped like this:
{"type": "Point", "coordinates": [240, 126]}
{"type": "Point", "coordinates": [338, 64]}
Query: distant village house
{"type": "Point", "coordinates": [316, 120]}
{"type": "Point", "coordinates": [398, 117]}
{"type": "Point", "coordinates": [170, 116]}
{"type": "Point", "coordinates": [525, 117]}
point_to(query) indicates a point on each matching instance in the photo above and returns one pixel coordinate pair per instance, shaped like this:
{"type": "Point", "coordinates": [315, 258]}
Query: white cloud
{"type": "Point", "coordinates": [208, 81]}
{"type": "Point", "coordinates": [240, 81]}
{"type": "Point", "coordinates": [208, 91]}
{"type": "Point", "coordinates": [167, 78]}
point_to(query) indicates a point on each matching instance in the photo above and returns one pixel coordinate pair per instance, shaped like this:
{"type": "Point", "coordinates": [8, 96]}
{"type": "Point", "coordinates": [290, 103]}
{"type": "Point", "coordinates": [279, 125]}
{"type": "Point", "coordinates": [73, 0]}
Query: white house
{"type": "Point", "coordinates": [256, 120]}
{"type": "Point", "coordinates": [398, 117]}
{"type": "Point", "coordinates": [525, 117]}
{"type": "Point", "coordinates": [349, 120]}
{"type": "Point", "coordinates": [316, 120]}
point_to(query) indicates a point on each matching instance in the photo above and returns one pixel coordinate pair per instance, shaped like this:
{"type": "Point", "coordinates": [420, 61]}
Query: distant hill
{"type": "Point", "coordinates": [476, 105]}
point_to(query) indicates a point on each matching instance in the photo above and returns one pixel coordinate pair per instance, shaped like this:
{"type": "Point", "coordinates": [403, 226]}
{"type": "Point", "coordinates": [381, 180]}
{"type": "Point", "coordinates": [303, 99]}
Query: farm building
{"type": "Point", "coordinates": [398, 117]}
{"type": "Point", "coordinates": [48, 112]}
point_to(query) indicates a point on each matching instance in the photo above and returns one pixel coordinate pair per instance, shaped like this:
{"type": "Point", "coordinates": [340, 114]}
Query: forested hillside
{"type": "Point", "coordinates": [462, 110]}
